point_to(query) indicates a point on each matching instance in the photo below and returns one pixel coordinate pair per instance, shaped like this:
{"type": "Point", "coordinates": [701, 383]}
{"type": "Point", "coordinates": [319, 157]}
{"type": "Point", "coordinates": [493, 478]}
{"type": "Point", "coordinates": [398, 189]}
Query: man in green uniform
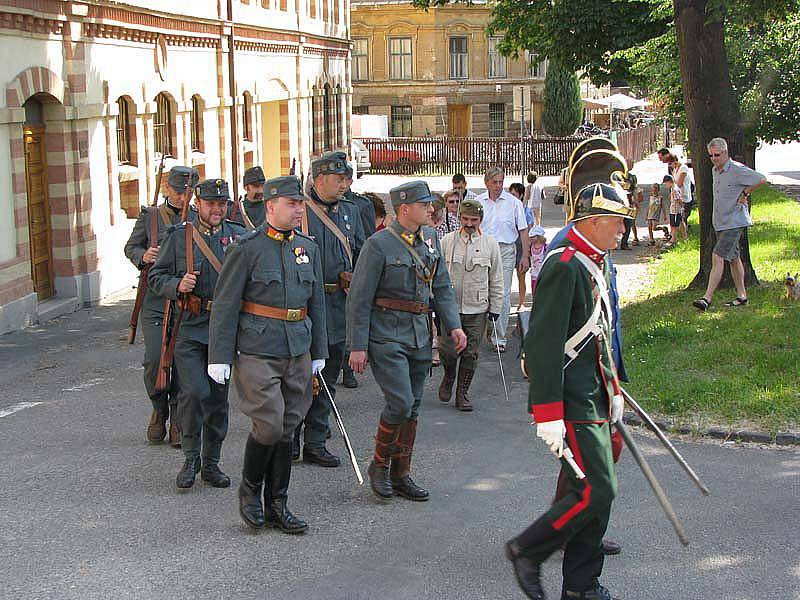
{"type": "Point", "coordinates": [334, 224]}
{"type": "Point", "coordinates": [268, 322]}
{"type": "Point", "coordinates": [142, 251]}
{"type": "Point", "coordinates": [202, 402]}
{"type": "Point", "coordinates": [388, 320]}
{"type": "Point", "coordinates": [249, 211]}
{"type": "Point", "coordinates": [575, 393]}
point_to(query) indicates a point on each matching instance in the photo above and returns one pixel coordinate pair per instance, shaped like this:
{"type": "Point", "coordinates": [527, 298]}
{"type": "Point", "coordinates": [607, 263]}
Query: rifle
{"type": "Point", "coordinates": [292, 168]}
{"type": "Point", "coordinates": [141, 287]}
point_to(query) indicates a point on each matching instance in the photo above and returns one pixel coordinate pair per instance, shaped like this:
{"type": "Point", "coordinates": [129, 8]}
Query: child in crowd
{"type": "Point", "coordinates": [538, 252]}
{"type": "Point", "coordinates": [675, 209]}
{"type": "Point", "coordinates": [654, 213]}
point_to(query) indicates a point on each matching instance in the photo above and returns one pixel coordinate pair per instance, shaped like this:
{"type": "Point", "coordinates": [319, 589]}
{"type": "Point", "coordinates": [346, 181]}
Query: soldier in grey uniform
{"type": "Point", "coordinates": [250, 211]}
{"type": "Point", "coordinates": [202, 402]}
{"type": "Point", "coordinates": [268, 322]}
{"type": "Point", "coordinates": [388, 320]}
{"type": "Point", "coordinates": [180, 183]}
{"type": "Point", "coordinates": [335, 224]}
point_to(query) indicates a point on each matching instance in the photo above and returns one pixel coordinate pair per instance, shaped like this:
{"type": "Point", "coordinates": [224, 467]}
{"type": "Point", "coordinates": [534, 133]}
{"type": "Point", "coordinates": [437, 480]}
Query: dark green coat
{"type": "Point", "coordinates": [169, 269]}
{"type": "Point", "coordinates": [563, 302]}
{"type": "Point", "coordinates": [366, 210]}
{"type": "Point", "coordinates": [256, 212]}
{"type": "Point", "coordinates": [261, 269]}
{"type": "Point", "coordinates": [386, 269]}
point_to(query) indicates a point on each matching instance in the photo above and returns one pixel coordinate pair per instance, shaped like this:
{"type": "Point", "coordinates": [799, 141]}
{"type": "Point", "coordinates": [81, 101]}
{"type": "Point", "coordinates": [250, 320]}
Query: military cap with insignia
{"type": "Point", "coordinates": [409, 193]}
{"type": "Point", "coordinates": [471, 208]}
{"type": "Point", "coordinates": [254, 175]}
{"type": "Point", "coordinates": [181, 177]}
{"type": "Point", "coordinates": [287, 186]}
{"type": "Point", "coordinates": [330, 163]}
{"type": "Point", "coordinates": [213, 189]}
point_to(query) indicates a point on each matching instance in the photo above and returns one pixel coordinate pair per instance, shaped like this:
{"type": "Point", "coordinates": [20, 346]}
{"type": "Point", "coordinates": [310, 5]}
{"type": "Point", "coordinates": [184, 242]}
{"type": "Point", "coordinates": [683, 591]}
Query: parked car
{"type": "Point", "coordinates": [360, 155]}
{"type": "Point", "coordinates": [392, 156]}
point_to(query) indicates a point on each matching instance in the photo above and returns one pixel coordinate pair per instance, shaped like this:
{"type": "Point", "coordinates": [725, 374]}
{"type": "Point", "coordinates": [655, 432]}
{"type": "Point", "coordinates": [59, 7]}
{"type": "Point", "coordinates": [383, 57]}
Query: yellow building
{"type": "Point", "coordinates": [439, 72]}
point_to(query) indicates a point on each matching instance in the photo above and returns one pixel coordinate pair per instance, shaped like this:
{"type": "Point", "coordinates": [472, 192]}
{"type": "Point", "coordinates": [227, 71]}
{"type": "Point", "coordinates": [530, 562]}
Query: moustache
{"type": "Point", "coordinates": [259, 196]}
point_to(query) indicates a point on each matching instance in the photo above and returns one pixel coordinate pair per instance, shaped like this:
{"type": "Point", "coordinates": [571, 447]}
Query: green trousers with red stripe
{"type": "Point", "coordinates": [579, 519]}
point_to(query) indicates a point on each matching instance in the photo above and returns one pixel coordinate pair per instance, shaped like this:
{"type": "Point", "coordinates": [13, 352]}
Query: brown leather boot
{"type": "Point", "coordinates": [174, 428]}
{"type": "Point", "coordinates": [402, 484]}
{"type": "Point", "coordinates": [464, 381]}
{"type": "Point", "coordinates": [448, 378]}
{"type": "Point", "coordinates": [385, 446]}
{"type": "Point", "coordinates": [157, 428]}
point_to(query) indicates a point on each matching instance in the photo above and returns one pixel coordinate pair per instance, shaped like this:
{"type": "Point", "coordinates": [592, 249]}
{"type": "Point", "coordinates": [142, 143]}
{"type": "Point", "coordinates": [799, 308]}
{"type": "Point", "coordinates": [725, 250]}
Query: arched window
{"type": "Point", "coordinates": [330, 126]}
{"type": "Point", "coordinates": [126, 134]}
{"type": "Point", "coordinates": [316, 122]}
{"type": "Point", "coordinates": [197, 124]}
{"type": "Point", "coordinates": [338, 137]}
{"type": "Point", "coordinates": [163, 124]}
{"type": "Point", "coordinates": [247, 117]}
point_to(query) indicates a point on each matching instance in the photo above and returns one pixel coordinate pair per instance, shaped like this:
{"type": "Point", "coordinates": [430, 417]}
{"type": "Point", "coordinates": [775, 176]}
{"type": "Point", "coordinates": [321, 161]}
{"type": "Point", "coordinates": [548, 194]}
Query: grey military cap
{"type": "Point", "coordinates": [287, 186]}
{"type": "Point", "coordinates": [254, 175]}
{"type": "Point", "coordinates": [181, 178]}
{"type": "Point", "coordinates": [330, 163]}
{"type": "Point", "coordinates": [409, 193]}
{"type": "Point", "coordinates": [213, 189]}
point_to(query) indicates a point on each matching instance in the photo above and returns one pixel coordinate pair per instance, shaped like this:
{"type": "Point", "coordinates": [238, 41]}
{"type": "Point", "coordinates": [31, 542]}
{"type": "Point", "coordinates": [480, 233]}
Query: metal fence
{"type": "Point", "coordinates": [635, 144]}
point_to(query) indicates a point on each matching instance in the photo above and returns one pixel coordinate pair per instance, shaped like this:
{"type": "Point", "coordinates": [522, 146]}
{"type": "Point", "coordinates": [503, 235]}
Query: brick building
{"type": "Point", "coordinates": [94, 92]}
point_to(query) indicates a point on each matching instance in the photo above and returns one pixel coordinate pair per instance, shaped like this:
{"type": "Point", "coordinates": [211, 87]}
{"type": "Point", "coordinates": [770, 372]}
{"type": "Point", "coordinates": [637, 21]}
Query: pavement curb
{"type": "Point", "coordinates": [717, 433]}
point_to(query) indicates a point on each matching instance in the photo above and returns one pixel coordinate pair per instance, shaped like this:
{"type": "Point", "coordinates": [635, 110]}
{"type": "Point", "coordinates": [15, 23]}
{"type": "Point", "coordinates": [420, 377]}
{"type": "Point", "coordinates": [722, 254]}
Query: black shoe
{"type": "Point", "coordinates": [527, 571]}
{"type": "Point", "coordinates": [188, 472]}
{"type": "Point", "coordinates": [379, 480]}
{"type": "Point", "coordinates": [598, 592]}
{"type": "Point", "coordinates": [320, 456]}
{"type": "Point", "coordinates": [349, 380]}
{"type": "Point", "coordinates": [157, 427]}
{"type": "Point", "coordinates": [280, 517]}
{"type": "Point", "coordinates": [609, 548]}
{"type": "Point", "coordinates": [296, 444]}
{"type": "Point", "coordinates": [214, 476]}
{"type": "Point", "coordinates": [276, 491]}
{"type": "Point", "coordinates": [405, 487]}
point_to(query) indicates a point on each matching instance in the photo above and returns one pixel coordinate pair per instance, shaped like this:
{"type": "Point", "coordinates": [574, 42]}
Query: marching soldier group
{"type": "Point", "coordinates": [272, 291]}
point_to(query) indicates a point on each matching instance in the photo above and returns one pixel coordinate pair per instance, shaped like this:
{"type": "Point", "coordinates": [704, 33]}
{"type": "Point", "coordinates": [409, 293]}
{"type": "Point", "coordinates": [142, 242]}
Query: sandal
{"type": "Point", "coordinates": [737, 302]}
{"type": "Point", "coordinates": [702, 304]}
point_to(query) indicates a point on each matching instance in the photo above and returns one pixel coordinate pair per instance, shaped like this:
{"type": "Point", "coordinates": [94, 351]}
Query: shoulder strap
{"type": "Point", "coordinates": [204, 249]}
{"type": "Point", "coordinates": [426, 271]}
{"type": "Point", "coordinates": [189, 231]}
{"type": "Point", "coordinates": [248, 223]}
{"type": "Point", "coordinates": [164, 212]}
{"type": "Point", "coordinates": [332, 227]}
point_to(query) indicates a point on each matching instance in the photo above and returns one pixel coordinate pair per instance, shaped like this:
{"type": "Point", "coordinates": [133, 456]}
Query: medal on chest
{"type": "Point", "coordinates": [301, 258]}
{"type": "Point", "coordinates": [429, 243]}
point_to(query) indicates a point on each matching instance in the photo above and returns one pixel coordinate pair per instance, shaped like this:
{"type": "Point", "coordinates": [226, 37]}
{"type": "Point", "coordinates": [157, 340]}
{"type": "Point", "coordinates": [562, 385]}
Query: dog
{"type": "Point", "coordinates": [792, 286]}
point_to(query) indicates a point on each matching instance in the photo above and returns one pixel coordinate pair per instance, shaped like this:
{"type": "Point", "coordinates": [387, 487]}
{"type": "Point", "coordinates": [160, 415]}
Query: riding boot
{"type": "Point", "coordinates": [157, 428]}
{"type": "Point", "coordinates": [279, 472]}
{"type": "Point", "coordinates": [402, 484]}
{"type": "Point", "coordinates": [385, 443]}
{"type": "Point", "coordinates": [174, 428]}
{"type": "Point", "coordinates": [256, 456]}
{"type": "Point", "coordinates": [296, 443]}
{"type": "Point", "coordinates": [448, 377]}
{"type": "Point", "coordinates": [464, 381]}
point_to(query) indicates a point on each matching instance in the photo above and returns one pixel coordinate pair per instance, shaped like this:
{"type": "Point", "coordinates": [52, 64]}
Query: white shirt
{"type": "Point", "coordinates": [503, 218]}
{"type": "Point", "coordinates": [533, 195]}
{"type": "Point", "coordinates": [686, 188]}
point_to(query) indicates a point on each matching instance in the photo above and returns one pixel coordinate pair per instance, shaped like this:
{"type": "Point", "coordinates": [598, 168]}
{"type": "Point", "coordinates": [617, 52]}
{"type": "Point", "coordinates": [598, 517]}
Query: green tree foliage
{"type": "Point", "coordinates": [563, 108]}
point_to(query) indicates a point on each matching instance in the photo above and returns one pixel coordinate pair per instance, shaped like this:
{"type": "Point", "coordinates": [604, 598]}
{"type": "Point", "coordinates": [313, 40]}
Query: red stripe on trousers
{"type": "Point", "coordinates": [583, 503]}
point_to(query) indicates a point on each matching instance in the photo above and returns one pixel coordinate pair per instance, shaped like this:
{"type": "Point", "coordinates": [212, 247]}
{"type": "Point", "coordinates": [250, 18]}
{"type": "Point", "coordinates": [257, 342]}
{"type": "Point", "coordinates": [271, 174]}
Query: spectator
{"type": "Point", "coordinates": [635, 199]}
{"type": "Point", "coordinates": [518, 191]}
{"type": "Point", "coordinates": [733, 184]}
{"type": "Point", "coordinates": [538, 252]}
{"type": "Point", "coordinates": [665, 156]}
{"type": "Point", "coordinates": [534, 196]}
{"type": "Point", "coordinates": [460, 185]}
{"type": "Point", "coordinates": [675, 210]}
{"type": "Point", "coordinates": [380, 210]}
{"type": "Point", "coordinates": [504, 220]}
{"type": "Point", "coordinates": [436, 214]}
{"type": "Point", "coordinates": [654, 213]}
{"type": "Point", "coordinates": [452, 202]}
{"type": "Point", "coordinates": [683, 179]}
{"type": "Point", "coordinates": [562, 193]}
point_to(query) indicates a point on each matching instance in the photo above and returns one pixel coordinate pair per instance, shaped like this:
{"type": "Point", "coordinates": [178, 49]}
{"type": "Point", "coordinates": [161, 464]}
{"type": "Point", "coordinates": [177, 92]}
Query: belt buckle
{"type": "Point", "coordinates": [208, 305]}
{"type": "Point", "coordinates": [294, 314]}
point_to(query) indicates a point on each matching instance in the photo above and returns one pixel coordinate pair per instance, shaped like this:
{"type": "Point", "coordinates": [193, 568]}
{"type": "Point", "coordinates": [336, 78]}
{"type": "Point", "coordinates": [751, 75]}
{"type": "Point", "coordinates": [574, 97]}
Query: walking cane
{"type": "Point", "coordinates": [664, 440]}
{"type": "Point", "coordinates": [500, 359]}
{"type": "Point", "coordinates": [346, 438]}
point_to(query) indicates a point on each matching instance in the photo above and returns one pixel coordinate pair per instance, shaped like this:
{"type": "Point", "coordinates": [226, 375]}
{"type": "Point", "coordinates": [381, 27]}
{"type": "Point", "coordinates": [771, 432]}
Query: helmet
{"type": "Point", "coordinates": [597, 184]}
{"type": "Point", "coordinates": [593, 143]}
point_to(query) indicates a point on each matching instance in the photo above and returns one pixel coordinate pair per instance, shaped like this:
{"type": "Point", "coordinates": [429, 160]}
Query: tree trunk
{"type": "Point", "coordinates": [711, 111]}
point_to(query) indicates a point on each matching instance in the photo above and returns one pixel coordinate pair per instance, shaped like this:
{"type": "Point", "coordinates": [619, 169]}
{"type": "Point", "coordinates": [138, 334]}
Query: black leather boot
{"type": "Point", "coordinates": [320, 456]}
{"type": "Point", "coordinates": [597, 592]}
{"type": "Point", "coordinates": [296, 443]}
{"type": "Point", "coordinates": [188, 472]}
{"type": "Point", "coordinates": [213, 475]}
{"type": "Point", "coordinates": [402, 484]}
{"type": "Point", "coordinates": [526, 570]}
{"type": "Point", "coordinates": [276, 494]}
{"type": "Point", "coordinates": [348, 377]}
{"type": "Point", "coordinates": [256, 458]}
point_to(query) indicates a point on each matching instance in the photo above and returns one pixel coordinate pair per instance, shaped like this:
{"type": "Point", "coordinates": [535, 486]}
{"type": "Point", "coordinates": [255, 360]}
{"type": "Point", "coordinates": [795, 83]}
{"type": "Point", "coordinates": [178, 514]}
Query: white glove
{"type": "Point", "coordinates": [617, 408]}
{"type": "Point", "coordinates": [219, 373]}
{"type": "Point", "coordinates": [553, 432]}
{"type": "Point", "coordinates": [317, 366]}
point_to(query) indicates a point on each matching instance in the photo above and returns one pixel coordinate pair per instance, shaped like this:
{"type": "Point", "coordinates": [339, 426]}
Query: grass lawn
{"type": "Point", "coordinates": [731, 367]}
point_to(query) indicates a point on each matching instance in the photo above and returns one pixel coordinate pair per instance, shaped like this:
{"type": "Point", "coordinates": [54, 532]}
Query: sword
{"type": "Point", "coordinates": [500, 360]}
{"type": "Point", "coordinates": [568, 456]}
{"type": "Point", "coordinates": [346, 438]}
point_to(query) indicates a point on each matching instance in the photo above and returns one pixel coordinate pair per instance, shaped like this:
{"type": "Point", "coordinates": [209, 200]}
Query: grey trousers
{"type": "Point", "coordinates": [274, 392]}
{"type": "Point", "coordinates": [150, 324]}
{"type": "Point", "coordinates": [400, 372]}
{"type": "Point", "coordinates": [474, 326]}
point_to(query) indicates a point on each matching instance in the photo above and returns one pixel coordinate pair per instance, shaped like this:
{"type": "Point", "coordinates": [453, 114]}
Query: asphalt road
{"type": "Point", "coordinates": [89, 510]}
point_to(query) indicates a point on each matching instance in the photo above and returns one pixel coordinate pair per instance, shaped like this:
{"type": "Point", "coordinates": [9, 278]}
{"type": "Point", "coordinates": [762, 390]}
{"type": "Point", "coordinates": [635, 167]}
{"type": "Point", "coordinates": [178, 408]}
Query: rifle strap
{"type": "Point", "coordinates": [427, 273]}
{"type": "Point", "coordinates": [204, 249]}
{"type": "Point", "coordinates": [322, 215]}
{"type": "Point", "coordinates": [245, 217]}
{"type": "Point", "coordinates": [189, 233]}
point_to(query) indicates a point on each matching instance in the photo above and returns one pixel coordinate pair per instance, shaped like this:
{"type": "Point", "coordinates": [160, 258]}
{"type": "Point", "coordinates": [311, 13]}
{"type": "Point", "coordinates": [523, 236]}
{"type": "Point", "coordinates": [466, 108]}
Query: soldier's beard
{"type": "Point", "coordinates": [258, 196]}
{"type": "Point", "coordinates": [470, 229]}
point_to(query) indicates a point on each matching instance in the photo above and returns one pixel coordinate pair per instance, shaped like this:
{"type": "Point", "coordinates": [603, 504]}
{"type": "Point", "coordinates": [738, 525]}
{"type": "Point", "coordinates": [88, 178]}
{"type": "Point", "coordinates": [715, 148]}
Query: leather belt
{"type": "Point", "coordinates": [195, 304]}
{"type": "Point", "coordinates": [272, 312]}
{"type": "Point", "coordinates": [332, 288]}
{"type": "Point", "coordinates": [410, 306]}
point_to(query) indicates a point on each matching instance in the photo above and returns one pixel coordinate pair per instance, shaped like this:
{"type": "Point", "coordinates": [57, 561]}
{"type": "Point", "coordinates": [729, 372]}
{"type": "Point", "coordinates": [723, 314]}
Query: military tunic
{"type": "Point", "coordinates": [255, 210]}
{"type": "Point", "coordinates": [365, 209]}
{"type": "Point", "coordinates": [271, 357]}
{"type": "Point", "coordinates": [346, 217]}
{"type": "Point", "coordinates": [579, 391]}
{"type": "Point", "coordinates": [202, 402]}
{"type": "Point", "coordinates": [166, 217]}
{"type": "Point", "coordinates": [398, 343]}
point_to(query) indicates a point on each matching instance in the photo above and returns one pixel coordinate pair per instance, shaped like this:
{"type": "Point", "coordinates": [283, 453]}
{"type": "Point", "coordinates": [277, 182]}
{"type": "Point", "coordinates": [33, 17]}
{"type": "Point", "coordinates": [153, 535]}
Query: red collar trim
{"type": "Point", "coordinates": [273, 233]}
{"type": "Point", "coordinates": [585, 246]}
